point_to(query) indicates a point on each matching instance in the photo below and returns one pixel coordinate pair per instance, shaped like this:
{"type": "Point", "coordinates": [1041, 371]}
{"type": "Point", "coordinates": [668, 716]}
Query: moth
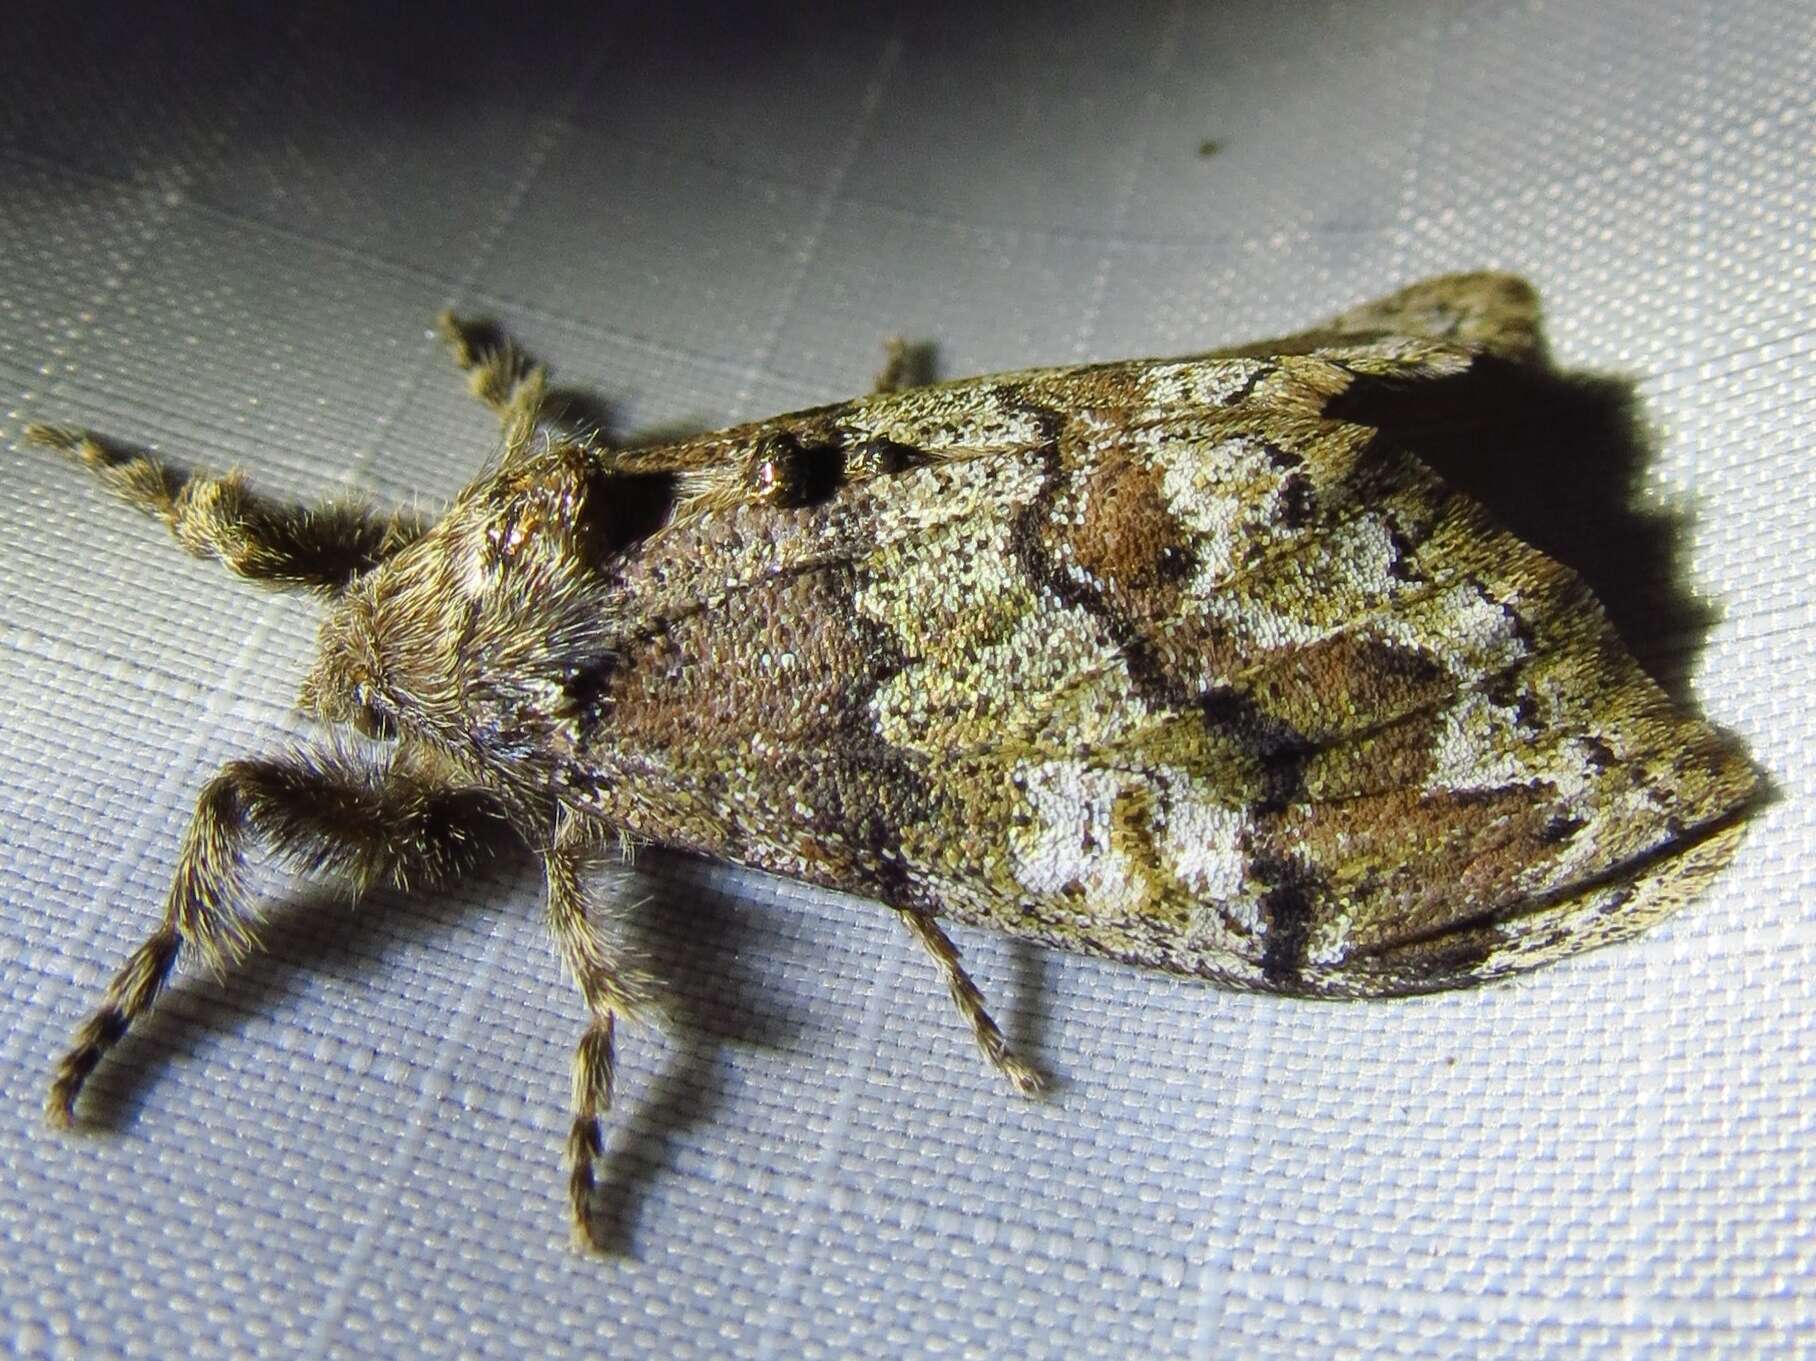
{"type": "Point", "coordinates": [1165, 661]}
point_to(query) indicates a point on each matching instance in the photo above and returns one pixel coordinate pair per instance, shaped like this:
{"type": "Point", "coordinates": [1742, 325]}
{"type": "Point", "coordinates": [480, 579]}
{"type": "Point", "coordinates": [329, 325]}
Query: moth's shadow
{"type": "Point", "coordinates": [1558, 459]}
{"type": "Point", "coordinates": [1025, 1015]}
{"type": "Point", "coordinates": [711, 1002]}
{"type": "Point", "coordinates": [696, 948]}
{"type": "Point", "coordinates": [307, 931]}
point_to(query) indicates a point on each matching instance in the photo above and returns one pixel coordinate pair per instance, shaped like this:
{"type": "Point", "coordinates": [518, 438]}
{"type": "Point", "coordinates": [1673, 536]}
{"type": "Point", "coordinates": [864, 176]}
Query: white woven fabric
{"type": "Point", "coordinates": [225, 236]}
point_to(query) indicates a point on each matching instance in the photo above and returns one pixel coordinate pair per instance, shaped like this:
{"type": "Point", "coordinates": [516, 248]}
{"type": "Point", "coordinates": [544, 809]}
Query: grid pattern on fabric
{"type": "Point", "coordinates": [223, 234]}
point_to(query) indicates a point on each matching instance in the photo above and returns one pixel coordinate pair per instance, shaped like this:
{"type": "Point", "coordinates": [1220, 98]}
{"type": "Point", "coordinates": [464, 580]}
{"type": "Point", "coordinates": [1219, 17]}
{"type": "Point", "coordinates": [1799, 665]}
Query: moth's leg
{"type": "Point", "coordinates": [970, 1001]}
{"type": "Point", "coordinates": [321, 547]}
{"type": "Point", "coordinates": [399, 823]}
{"type": "Point", "coordinates": [905, 366]}
{"type": "Point", "coordinates": [611, 988]}
{"type": "Point", "coordinates": [498, 373]}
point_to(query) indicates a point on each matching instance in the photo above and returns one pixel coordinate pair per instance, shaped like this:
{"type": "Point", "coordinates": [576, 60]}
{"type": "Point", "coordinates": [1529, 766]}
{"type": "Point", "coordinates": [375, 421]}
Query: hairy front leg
{"type": "Point", "coordinates": [317, 547]}
{"type": "Point", "coordinates": [403, 823]}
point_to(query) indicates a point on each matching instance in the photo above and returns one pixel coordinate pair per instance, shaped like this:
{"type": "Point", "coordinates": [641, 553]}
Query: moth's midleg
{"type": "Point", "coordinates": [285, 544]}
{"type": "Point", "coordinates": [610, 988]}
{"type": "Point", "coordinates": [970, 1001]}
{"type": "Point", "coordinates": [905, 366]}
{"type": "Point", "coordinates": [369, 824]}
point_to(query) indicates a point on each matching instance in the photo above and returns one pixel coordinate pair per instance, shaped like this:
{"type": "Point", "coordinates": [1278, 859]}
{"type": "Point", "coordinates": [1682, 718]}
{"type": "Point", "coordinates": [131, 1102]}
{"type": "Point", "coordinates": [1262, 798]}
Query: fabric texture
{"type": "Point", "coordinates": [223, 233]}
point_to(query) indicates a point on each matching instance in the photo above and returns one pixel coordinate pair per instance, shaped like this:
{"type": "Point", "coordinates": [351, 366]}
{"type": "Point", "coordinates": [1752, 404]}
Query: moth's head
{"type": "Point", "coordinates": [348, 683]}
{"type": "Point", "coordinates": [483, 651]}
{"type": "Point", "coordinates": [382, 663]}
{"type": "Point", "coordinates": [397, 652]}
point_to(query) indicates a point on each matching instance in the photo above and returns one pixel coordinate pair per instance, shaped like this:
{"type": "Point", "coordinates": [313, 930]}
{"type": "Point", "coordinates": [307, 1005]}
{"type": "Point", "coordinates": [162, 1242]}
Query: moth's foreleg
{"type": "Point", "coordinates": [320, 547]}
{"type": "Point", "coordinates": [369, 824]}
{"type": "Point", "coordinates": [610, 988]}
{"type": "Point", "coordinates": [498, 373]}
{"type": "Point", "coordinates": [970, 1002]}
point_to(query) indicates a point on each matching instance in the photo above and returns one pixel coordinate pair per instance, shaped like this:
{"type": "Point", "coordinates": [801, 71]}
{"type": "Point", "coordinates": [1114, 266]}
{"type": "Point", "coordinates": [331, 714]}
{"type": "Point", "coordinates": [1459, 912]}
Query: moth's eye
{"type": "Point", "coordinates": [374, 723]}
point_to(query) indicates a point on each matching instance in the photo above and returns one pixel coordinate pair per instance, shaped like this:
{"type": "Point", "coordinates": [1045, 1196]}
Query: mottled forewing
{"type": "Point", "coordinates": [1158, 662]}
